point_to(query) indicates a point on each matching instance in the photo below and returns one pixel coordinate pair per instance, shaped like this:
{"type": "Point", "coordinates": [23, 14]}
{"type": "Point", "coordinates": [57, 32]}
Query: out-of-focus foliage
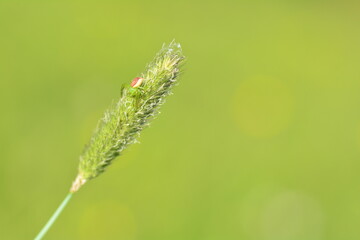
{"type": "Point", "coordinates": [260, 142]}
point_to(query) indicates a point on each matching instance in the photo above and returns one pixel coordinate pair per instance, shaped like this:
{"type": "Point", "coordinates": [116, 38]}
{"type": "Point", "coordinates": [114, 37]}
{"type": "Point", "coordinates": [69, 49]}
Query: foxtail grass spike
{"type": "Point", "coordinates": [122, 123]}
{"type": "Point", "coordinates": [138, 104]}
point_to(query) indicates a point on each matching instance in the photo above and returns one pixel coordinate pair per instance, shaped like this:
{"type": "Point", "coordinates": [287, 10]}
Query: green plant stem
{"type": "Point", "coordinates": [53, 217]}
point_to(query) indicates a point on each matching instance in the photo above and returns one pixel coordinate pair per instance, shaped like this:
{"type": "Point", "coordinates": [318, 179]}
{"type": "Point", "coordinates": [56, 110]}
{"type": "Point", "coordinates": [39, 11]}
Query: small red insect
{"type": "Point", "coordinates": [136, 82]}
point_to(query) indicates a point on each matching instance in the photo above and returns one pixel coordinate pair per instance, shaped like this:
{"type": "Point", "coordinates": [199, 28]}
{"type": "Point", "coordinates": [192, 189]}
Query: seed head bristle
{"type": "Point", "coordinates": [122, 122]}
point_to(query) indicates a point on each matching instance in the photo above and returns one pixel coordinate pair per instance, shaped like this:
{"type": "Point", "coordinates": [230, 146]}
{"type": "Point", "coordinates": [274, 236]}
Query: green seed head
{"type": "Point", "coordinates": [123, 121]}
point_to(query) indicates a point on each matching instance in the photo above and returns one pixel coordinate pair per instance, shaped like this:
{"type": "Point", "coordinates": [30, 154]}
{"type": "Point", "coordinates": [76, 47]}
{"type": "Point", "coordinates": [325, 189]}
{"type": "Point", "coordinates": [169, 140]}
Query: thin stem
{"type": "Point", "coordinates": [53, 217]}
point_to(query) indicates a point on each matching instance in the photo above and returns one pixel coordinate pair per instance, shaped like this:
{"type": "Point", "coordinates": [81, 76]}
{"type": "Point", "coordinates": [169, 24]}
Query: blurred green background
{"type": "Point", "coordinates": [261, 140]}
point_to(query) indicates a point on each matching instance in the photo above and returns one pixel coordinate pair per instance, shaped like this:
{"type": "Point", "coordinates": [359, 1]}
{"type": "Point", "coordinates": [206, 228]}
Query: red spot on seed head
{"type": "Point", "coordinates": [136, 82]}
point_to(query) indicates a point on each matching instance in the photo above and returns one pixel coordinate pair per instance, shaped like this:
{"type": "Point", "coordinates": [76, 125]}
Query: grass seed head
{"type": "Point", "coordinates": [122, 123]}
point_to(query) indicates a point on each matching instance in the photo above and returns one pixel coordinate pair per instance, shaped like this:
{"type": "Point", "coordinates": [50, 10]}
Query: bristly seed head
{"type": "Point", "coordinates": [123, 122]}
